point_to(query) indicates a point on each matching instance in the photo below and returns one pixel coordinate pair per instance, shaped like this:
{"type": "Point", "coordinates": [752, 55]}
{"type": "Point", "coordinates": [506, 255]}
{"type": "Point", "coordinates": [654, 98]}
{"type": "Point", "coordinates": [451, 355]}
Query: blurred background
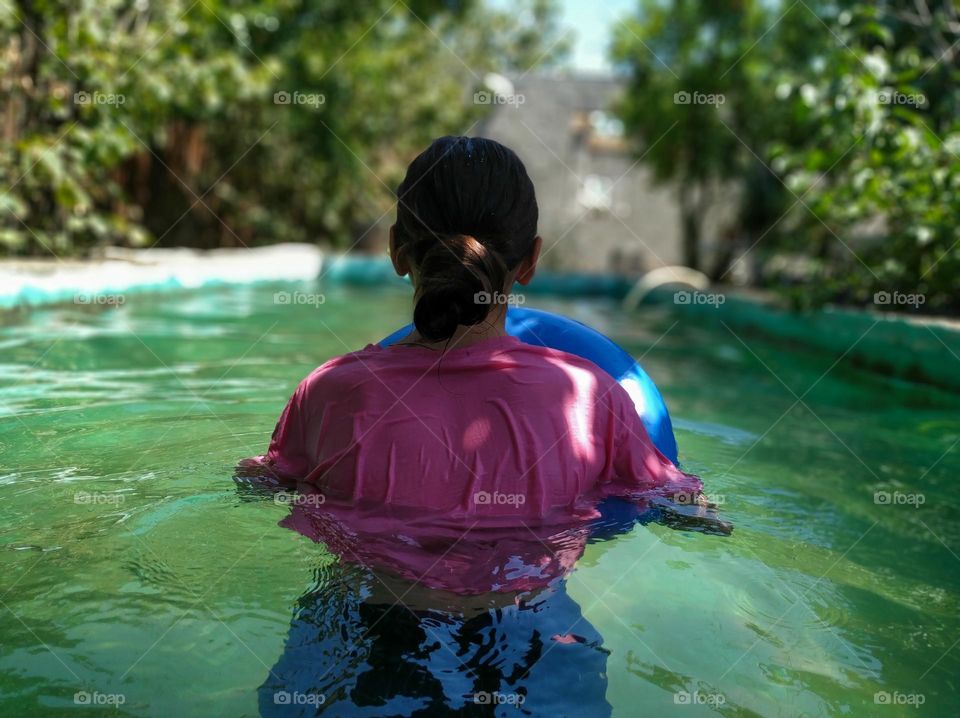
{"type": "Point", "coordinates": [757, 200]}
{"type": "Point", "coordinates": [810, 148]}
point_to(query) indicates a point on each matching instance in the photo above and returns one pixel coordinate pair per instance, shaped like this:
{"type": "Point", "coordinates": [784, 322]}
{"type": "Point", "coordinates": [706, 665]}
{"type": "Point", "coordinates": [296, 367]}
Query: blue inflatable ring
{"type": "Point", "coordinates": [540, 328]}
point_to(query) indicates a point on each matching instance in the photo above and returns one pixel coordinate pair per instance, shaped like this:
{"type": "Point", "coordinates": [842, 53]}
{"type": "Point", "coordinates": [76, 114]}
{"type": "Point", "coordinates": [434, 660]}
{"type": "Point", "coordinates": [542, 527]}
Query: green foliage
{"type": "Point", "coordinates": [840, 129]}
{"type": "Point", "coordinates": [160, 122]}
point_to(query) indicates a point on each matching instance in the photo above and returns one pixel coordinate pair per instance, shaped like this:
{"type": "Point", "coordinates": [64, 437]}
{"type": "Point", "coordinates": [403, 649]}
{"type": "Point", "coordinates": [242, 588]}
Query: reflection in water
{"type": "Point", "coordinates": [419, 618]}
{"type": "Point", "coordinates": [535, 657]}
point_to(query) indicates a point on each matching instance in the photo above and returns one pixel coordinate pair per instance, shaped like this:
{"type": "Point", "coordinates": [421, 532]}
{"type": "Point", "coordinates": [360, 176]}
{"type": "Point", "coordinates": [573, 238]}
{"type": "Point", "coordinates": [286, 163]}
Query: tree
{"type": "Point", "coordinates": [838, 127]}
{"type": "Point", "coordinates": [232, 122]}
{"type": "Point", "coordinates": [692, 101]}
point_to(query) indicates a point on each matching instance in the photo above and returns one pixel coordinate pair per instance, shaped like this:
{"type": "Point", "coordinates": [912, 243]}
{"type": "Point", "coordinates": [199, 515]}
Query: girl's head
{"type": "Point", "coordinates": [466, 230]}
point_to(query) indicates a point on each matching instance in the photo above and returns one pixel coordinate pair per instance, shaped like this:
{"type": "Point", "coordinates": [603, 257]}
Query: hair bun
{"type": "Point", "coordinates": [437, 314]}
{"type": "Point", "coordinates": [456, 273]}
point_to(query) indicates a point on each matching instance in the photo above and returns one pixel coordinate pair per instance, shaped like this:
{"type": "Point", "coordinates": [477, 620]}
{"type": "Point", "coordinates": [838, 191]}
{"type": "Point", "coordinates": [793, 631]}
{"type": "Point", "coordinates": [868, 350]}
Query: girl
{"type": "Point", "coordinates": [458, 419]}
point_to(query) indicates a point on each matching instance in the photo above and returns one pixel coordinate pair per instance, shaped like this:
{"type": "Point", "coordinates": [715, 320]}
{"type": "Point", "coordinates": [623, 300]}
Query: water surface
{"type": "Point", "coordinates": [133, 566]}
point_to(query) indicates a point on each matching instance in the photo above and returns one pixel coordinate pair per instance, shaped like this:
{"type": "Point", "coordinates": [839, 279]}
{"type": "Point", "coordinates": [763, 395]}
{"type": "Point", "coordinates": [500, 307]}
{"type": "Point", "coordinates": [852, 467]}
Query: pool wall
{"type": "Point", "coordinates": [377, 271]}
{"type": "Point", "coordinates": [913, 348]}
{"type": "Point", "coordinates": [923, 349]}
{"type": "Point", "coordinates": [121, 271]}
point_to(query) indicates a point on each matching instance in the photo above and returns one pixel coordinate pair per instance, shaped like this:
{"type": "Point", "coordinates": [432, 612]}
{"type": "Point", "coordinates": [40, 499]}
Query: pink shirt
{"type": "Point", "coordinates": [497, 431]}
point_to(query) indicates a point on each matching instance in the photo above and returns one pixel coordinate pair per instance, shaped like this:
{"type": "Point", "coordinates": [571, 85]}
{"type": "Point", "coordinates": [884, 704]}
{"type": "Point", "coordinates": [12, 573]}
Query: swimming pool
{"type": "Point", "coordinates": [135, 572]}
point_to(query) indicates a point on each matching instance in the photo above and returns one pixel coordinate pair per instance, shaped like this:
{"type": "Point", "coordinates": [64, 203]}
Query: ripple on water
{"type": "Point", "coordinates": [783, 604]}
{"type": "Point", "coordinates": [727, 434]}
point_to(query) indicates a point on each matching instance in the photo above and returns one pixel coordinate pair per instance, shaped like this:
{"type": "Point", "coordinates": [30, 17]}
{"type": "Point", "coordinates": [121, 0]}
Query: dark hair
{"type": "Point", "coordinates": [467, 215]}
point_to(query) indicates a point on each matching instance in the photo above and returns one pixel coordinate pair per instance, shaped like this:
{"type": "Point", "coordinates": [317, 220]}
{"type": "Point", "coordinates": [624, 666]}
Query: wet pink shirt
{"type": "Point", "coordinates": [498, 430]}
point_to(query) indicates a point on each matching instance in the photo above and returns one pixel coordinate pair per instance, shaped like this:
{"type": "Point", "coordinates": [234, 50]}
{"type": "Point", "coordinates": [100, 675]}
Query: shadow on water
{"type": "Point", "coordinates": [418, 618]}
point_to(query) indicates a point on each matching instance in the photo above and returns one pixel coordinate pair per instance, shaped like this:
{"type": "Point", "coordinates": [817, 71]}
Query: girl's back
{"type": "Point", "coordinates": [495, 429]}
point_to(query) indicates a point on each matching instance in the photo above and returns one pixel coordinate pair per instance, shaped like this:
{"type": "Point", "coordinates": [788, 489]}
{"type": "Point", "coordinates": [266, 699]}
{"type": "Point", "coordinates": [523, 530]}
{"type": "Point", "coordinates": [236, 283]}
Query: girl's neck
{"type": "Point", "coordinates": [464, 336]}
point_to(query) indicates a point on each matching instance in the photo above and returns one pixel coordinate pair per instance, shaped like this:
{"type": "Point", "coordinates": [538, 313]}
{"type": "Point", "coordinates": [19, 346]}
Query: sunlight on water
{"type": "Point", "coordinates": [136, 571]}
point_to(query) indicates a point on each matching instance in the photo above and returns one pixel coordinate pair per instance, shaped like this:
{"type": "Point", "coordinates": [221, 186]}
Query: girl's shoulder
{"type": "Point", "coordinates": [340, 367]}
{"type": "Point", "coordinates": [561, 359]}
{"type": "Point", "coordinates": [587, 375]}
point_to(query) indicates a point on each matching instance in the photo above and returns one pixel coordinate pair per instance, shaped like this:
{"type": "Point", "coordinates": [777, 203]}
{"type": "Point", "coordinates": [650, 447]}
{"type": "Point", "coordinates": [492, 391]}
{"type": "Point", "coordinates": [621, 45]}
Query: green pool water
{"type": "Point", "coordinates": [134, 571]}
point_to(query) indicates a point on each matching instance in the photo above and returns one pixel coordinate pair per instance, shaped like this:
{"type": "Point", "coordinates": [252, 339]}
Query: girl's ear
{"type": "Point", "coordinates": [528, 265]}
{"type": "Point", "coordinates": [400, 264]}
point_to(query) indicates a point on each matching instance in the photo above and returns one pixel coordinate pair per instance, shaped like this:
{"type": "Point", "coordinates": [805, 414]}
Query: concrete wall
{"type": "Point", "coordinates": [567, 156]}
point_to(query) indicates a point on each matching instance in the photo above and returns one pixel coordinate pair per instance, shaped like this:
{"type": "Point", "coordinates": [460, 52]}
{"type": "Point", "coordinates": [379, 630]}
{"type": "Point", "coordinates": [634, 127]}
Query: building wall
{"type": "Point", "coordinates": [600, 210]}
